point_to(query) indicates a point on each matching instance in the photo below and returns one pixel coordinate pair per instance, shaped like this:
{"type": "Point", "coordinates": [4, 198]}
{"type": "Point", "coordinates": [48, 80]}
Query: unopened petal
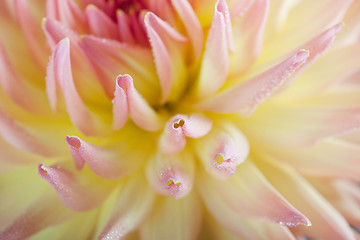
{"type": "Point", "coordinates": [173, 138]}
{"type": "Point", "coordinates": [222, 150]}
{"type": "Point", "coordinates": [171, 175]}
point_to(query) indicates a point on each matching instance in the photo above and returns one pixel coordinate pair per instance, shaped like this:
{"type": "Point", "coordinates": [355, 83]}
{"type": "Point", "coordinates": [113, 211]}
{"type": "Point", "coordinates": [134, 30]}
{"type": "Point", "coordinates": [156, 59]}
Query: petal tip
{"type": "Point", "coordinates": [73, 141]}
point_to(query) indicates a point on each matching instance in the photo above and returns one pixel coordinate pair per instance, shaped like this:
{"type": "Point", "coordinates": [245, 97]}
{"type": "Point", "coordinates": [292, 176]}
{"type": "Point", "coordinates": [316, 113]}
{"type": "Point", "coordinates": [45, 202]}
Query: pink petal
{"type": "Point", "coordinates": [110, 58]}
{"type": "Point", "coordinates": [23, 94]}
{"type": "Point", "coordinates": [32, 32]}
{"type": "Point", "coordinates": [67, 12]}
{"type": "Point", "coordinates": [235, 223]}
{"type": "Point", "coordinates": [140, 112]}
{"type": "Point", "coordinates": [18, 136]}
{"type": "Point", "coordinates": [60, 69]}
{"type": "Point", "coordinates": [192, 25]}
{"type": "Point", "coordinates": [55, 31]}
{"type": "Point", "coordinates": [215, 62]}
{"type": "Point", "coordinates": [171, 175]}
{"type": "Point", "coordinates": [317, 47]}
{"type": "Point", "coordinates": [246, 96]}
{"type": "Point", "coordinates": [292, 126]}
{"type": "Point", "coordinates": [131, 210]}
{"type": "Point", "coordinates": [179, 127]}
{"type": "Point", "coordinates": [47, 211]}
{"type": "Point", "coordinates": [222, 150]}
{"type": "Point", "coordinates": [120, 108]}
{"type": "Point", "coordinates": [253, 188]}
{"type": "Point", "coordinates": [100, 24]}
{"type": "Point", "coordinates": [106, 163]}
{"type": "Point", "coordinates": [123, 25]}
{"type": "Point", "coordinates": [162, 38]}
{"type": "Point", "coordinates": [248, 34]}
{"type": "Point", "coordinates": [327, 222]}
{"type": "Point", "coordinates": [76, 190]}
{"type": "Point", "coordinates": [179, 218]}
{"type": "Point", "coordinates": [162, 9]}
{"type": "Point", "coordinates": [331, 158]}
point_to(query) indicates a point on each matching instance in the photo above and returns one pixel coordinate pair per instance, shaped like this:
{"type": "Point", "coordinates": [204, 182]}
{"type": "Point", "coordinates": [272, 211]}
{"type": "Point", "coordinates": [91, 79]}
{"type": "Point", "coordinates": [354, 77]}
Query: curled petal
{"type": "Point", "coordinates": [222, 150]}
{"type": "Point", "coordinates": [215, 62]}
{"type": "Point", "coordinates": [192, 24]}
{"type": "Point", "coordinates": [166, 46]}
{"type": "Point", "coordinates": [55, 31]}
{"type": "Point", "coordinates": [180, 218]}
{"type": "Point", "coordinates": [99, 23]}
{"type": "Point", "coordinates": [134, 204]}
{"type": "Point", "coordinates": [140, 112]}
{"type": "Point", "coordinates": [252, 187]}
{"type": "Point", "coordinates": [173, 139]}
{"type": "Point", "coordinates": [327, 222]}
{"type": "Point", "coordinates": [60, 74]}
{"type": "Point", "coordinates": [105, 162]}
{"type": "Point", "coordinates": [245, 97]}
{"type": "Point", "coordinates": [171, 175]}
{"type": "Point", "coordinates": [76, 191]}
{"type": "Point", "coordinates": [120, 108]}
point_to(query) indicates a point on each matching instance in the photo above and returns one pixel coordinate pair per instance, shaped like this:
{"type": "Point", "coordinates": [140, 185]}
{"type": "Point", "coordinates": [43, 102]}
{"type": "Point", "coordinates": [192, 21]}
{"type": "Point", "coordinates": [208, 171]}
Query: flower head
{"type": "Point", "coordinates": [181, 119]}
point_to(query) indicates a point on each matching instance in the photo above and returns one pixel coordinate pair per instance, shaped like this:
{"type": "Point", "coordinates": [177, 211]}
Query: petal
{"type": "Point", "coordinates": [251, 190]}
{"type": "Point", "coordinates": [327, 222]}
{"type": "Point", "coordinates": [20, 137]}
{"type": "Point", "coordinates": [317, 46]}
{"type": "Point", "coordinates": [330, 158]}
{"type": "Point", "coordinates": [248, 36]}
{"type": "Point", "coordinates": [55, 31]}
{"type": "Point", "coordinates": [171, 175]}
{"type": "Point", "coordinates": [173, 139]}
{"type": "Point", "coordinates": [140, 112]}
{"type": "Point", "coordinates": [23, 94]}
{"type": "Point", "coordinates": [192, 25]}
{"type": "Point", "coordinates": [245, 97]}
{"type": "Point", "coordinates": [31, 31]}
{"type": "Point", "coordinates": [134, 204]}
{"type": "Point", "coordinates": [120, 108]}
{"type": "Point", "coordinates": [107, 162]}
{"type": "Point", "coordinates": [45, 212]}
{"type": "Point", "coordinates": [78, 191]}
{"type": "Point", "coordinates": [123, 24]}
{"type": "Point", "coordinates": [60, 69]}
{"type": "Point", "coordinates": [180, 219]}
{"type": "Point", "coordinates": [111, 58]}
{"type": "Point", "coordinates": [235, 223]}
{"type": "Point", "coordinates": [99, 23]}
{"type": "Point", "coordinates": [222, 150]}
{"type": "Point", "coordinates": [299, 126]}
{"type": "Point", "coordinates": [167, 46]}
{"type": "Point", "coordinates": [303, 21]}
{"type": "Point", "coordinates": [67, 12]}
{"type": "Point", "coordinates": [215, 62]}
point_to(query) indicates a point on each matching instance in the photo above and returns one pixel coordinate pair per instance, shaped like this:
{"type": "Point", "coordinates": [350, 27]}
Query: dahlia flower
{"type": "Point", "coordinates": [179, 119]}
